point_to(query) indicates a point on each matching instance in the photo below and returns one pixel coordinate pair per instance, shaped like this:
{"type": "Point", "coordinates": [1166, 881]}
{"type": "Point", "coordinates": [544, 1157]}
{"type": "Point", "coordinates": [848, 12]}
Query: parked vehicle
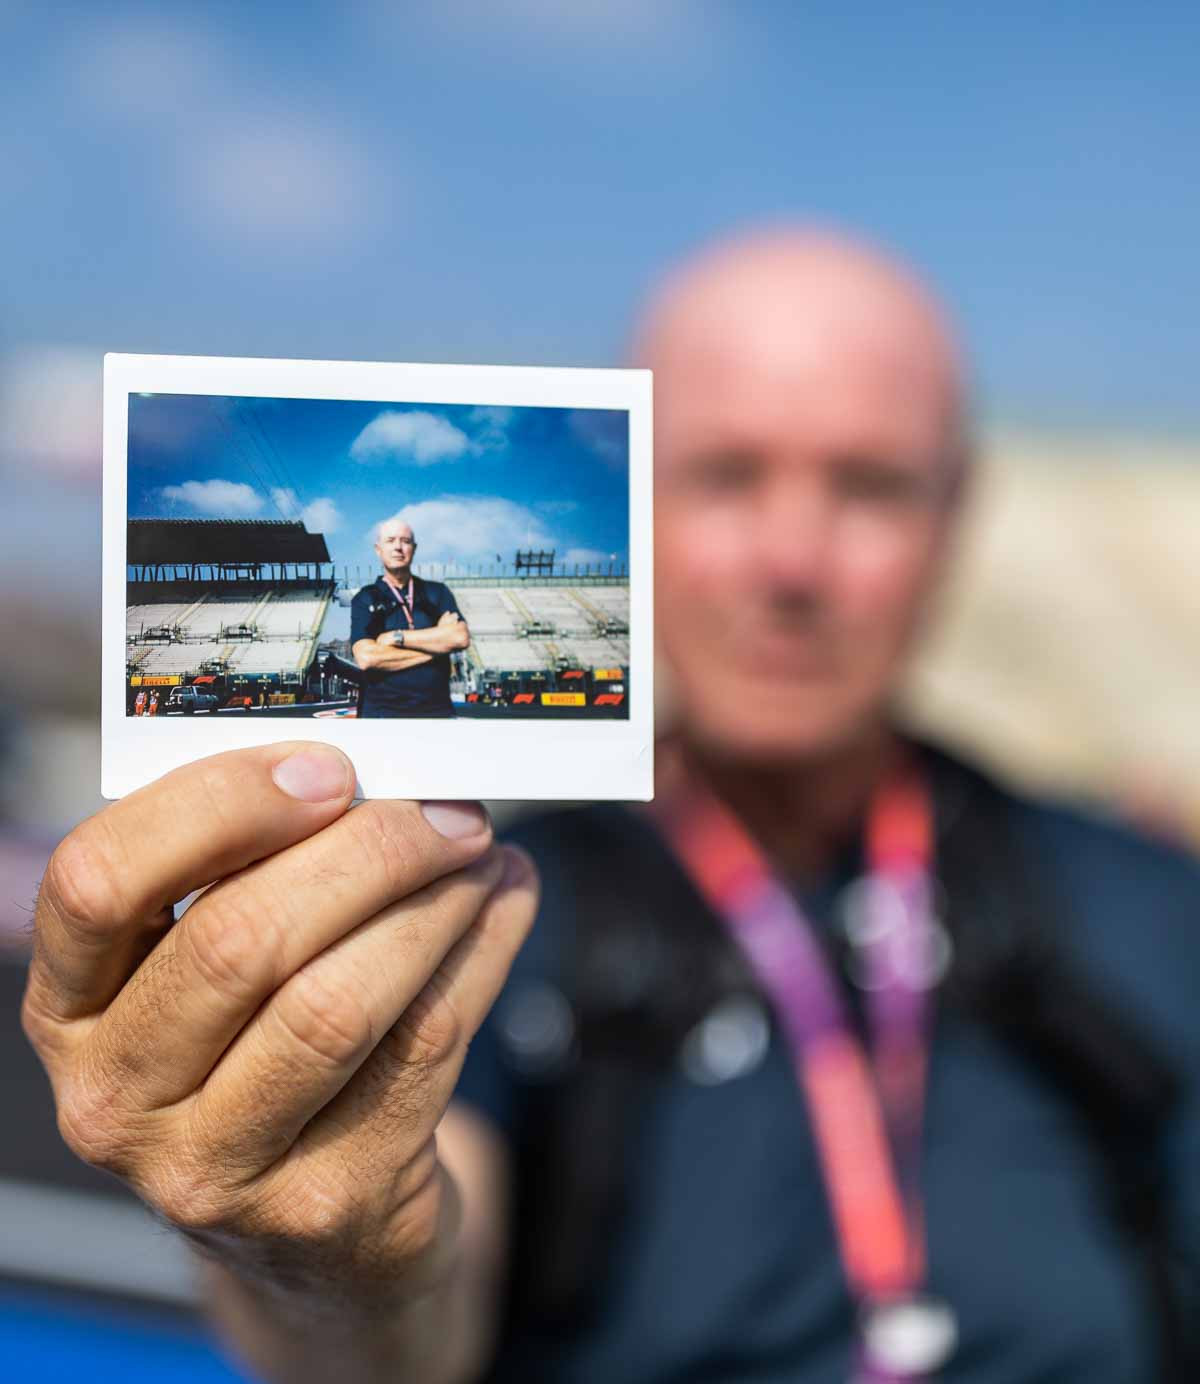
{"type": "Point", "coordinates": [190, 700]}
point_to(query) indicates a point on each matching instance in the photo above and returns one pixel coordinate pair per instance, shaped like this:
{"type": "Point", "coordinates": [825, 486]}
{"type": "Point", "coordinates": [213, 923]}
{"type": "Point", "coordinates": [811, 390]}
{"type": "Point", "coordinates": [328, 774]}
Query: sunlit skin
{"type": "Point", "coordinates": [809, 462]}
{"type": "Point", "coordinates": [396, 546]}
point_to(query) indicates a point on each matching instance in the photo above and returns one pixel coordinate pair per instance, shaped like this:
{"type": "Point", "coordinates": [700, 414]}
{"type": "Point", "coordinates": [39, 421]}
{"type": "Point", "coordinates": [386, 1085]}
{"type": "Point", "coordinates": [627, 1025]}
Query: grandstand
{"type": "Point", "coordinates": [239, 603]}
{"type": "Point", "coordinates": [240, 606]}
{"type": "Point", "coordinates": [526, 626]}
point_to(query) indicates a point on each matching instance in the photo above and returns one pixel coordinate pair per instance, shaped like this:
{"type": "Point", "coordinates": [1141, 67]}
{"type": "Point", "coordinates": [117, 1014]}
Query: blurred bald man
{"type": "Point", "coordinates": [839, 1062]}
{"type": "Point", "coordinates": [707, 1185]}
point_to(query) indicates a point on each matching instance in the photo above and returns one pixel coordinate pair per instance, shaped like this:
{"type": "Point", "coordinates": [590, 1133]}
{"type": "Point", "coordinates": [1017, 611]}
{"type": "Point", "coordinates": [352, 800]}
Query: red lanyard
{"type": "Point", "coordinates": [866, 1110]}
{"type": "Point", "coordinates": [404, 600]}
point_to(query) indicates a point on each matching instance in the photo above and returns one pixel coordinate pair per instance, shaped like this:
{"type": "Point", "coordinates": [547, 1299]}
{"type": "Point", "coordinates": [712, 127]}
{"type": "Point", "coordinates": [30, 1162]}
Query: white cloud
{"type": "Point", "coordinates": [148, 67]}
{"type": "Point", "coordinates": [319, 516]}
{"type": "Point", "coordinates": [586, 557]}
{"type": "Point", "coordinates": [238, 151]}
{"type": "Point", "coordinates": [473, 529]}
{"type": "Point", "coordinates": [417, 436]}
{"type": "Point", "coordinates": [290, 182]}
{"type": "Point", "coordinates": [285, 502]}
{"type": "Point", "coordinates": [50, 408]}
{"type": "Point", "coordinates": [224, 499]}
{"type": "Point", "coordinates": [489, 427]}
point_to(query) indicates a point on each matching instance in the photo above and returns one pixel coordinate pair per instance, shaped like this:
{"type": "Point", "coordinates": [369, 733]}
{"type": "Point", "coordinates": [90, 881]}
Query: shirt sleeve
{"type": "Point", "coordinates": [449, 603]}
{"type": "Point", "coordinates": [360, 617]}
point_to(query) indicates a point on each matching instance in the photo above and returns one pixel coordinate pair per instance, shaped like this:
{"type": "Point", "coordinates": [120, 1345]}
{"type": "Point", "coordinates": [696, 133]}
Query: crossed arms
{"type": "Point", "coordinates": [447, 636]}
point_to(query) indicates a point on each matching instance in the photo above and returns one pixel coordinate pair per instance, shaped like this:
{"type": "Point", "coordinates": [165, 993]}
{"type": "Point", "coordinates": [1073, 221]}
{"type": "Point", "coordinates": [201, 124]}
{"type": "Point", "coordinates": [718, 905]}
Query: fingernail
{"type": "Point", "coordinates": [489, 867]}
{"type": "Point", "coordinates": [456, 820]}
{"type": "Point", "coordinates": [314, 775]}
{"type": "Point", "coordinates": [518, 867]}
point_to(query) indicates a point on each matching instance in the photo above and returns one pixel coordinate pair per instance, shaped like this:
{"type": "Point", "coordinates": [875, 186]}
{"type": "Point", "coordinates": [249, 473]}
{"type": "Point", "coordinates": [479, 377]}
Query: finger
{"type": "Point", "coordinates": [302, 1046]}
{"type": "Point", "coordinates": [246, 936]}
{"type": "Point", "coordinates": [392, 1106]}
{"type": "Point", "coordinates": [118, 875]}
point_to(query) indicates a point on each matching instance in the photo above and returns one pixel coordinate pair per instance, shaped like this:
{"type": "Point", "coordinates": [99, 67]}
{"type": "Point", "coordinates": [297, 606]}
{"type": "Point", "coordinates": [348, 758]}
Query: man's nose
{"type": "Point", "coordinates": [795, 536]}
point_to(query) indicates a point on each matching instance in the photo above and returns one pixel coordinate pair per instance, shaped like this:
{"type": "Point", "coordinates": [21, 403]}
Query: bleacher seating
{"type": "Point", "coordinates": [287, 623]}
{"type": "Point", "coordinates": [496, 615]}
{"type": "Point", "coordinates": [216, 612]}
{"type": "Point", "coordinates": [140, 617]}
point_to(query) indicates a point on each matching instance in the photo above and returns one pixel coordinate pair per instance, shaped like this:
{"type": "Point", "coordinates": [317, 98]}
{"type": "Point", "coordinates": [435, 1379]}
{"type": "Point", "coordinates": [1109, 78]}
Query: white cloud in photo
{"type": "Point", "coordinates": [473, 529]}
{"type": "Point", "coordinates": [489, 427]}
{"type": "Point", "coordinates": [586, 557]}
{"type": "Point", "coordinates": [319, 516]}
{"type": "Point", "coordinates": [221, 499]}
{"type": "Point", "coordinates": [50, 400]}
{"type": "Point", "coordinates": [417, 436]}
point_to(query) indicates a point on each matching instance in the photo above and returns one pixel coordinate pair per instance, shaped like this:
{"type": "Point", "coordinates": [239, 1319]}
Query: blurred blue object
{"type": "Point", "coordinates": [65, 1343]}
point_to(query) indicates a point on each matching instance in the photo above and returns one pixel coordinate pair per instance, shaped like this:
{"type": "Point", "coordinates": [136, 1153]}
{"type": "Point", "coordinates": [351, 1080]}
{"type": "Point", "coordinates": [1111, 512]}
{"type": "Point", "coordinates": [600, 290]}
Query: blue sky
{"type": "Point", "coordinates": [500, 180]}
{"type": "Point", "coordinates": [475, 482]}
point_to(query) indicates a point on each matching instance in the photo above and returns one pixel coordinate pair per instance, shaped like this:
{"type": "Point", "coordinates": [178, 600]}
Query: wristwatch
{"type": "Point", "coordinates": [398, 638]}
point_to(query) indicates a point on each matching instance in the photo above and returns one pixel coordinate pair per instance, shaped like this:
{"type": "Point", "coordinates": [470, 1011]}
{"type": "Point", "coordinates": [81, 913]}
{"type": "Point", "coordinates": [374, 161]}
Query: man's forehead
{"type": "Point", "coordinates": [798, 331]}
{"type": "Point", "coordinates": [396, 528]}
{"type": "Point", "coordinates": [825, 397]}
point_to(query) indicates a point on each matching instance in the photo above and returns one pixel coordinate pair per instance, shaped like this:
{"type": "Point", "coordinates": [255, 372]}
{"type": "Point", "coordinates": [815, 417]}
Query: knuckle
{"type": "Point", "coordinates": [231, 943]}
{"type": "Point", "coordinates": [326, 1018]}
{"type": "Point", "coordinates": [83, 886]}
{"type": "Point", "coordinates": [216, 789]}
{"type": "Point", "coordinates": [38, 1026]}
{"type": "Point", "coordinates": [316, 1212]}
{"type": "Point", "coordinates": [91, 1126]}
{"type": "Point", "coordinates": [428, 1031]}
{"type": "Point", "coordinates": [382, 835]}
{"type": "Point", "coordinates": [189, 1198]}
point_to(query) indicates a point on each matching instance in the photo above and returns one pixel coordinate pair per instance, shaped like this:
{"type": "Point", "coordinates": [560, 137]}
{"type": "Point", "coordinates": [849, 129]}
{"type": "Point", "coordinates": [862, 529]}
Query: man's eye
{"type": "Point", "coordinates": [725, 473]}
{"type": "Point", "coordinates": [882, 485]}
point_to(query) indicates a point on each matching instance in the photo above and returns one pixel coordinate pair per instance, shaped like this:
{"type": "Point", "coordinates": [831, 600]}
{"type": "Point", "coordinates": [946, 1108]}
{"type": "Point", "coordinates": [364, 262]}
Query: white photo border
{"type": "Point", "coordinates": [450, 759]}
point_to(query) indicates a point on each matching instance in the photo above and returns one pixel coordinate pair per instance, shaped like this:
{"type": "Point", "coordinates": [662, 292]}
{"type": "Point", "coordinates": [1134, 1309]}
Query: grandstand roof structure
{"type": "Point", "coordinates": [209, 541]}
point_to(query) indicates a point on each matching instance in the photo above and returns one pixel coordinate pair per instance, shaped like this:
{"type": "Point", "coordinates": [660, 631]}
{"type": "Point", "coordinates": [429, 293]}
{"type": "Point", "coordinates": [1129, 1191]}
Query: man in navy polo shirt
{"type": "Point", "coordinates": [629, 1184]}
{"type": "Point", "coordinates": [402, 632]}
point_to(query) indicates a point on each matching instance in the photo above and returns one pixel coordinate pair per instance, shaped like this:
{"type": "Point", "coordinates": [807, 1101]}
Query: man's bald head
{"type": "Point", "coordinates": [809, 438]}
{"type": "Point", "coordinates": [792, 305]}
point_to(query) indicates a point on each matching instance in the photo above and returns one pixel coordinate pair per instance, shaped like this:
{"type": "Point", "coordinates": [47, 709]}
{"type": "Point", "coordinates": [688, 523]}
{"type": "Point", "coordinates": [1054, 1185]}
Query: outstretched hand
{"type": "Point", "coordinates": [268, 1071]}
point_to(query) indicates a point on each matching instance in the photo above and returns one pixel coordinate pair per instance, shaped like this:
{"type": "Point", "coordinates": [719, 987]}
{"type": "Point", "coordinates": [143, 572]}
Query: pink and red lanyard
{"type": "Point", "coordinates": [403, 600]}
{"type": "Point", "coordinates": [866, 1110]}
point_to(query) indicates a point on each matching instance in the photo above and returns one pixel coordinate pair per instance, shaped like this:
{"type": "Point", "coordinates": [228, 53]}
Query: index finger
{"type": "Point", "coordinates": [111, 885]}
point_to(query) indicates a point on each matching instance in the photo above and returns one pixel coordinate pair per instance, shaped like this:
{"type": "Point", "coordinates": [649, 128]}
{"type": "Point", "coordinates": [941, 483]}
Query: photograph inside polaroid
{"type": "Point", "coordinates": [342, 559]}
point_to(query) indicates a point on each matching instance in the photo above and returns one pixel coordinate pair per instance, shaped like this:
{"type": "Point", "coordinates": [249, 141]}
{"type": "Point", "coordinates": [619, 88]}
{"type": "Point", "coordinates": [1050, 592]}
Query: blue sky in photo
{"type": "Point", "coordinates": [475, 482]}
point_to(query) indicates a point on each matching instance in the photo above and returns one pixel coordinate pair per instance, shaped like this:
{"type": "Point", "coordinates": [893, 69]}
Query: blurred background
{"type": "Point", "coordinates": [499, 181]}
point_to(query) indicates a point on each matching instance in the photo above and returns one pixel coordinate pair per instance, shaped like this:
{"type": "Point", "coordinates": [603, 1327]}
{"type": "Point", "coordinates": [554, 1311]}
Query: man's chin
{"type": "Point", "coordinates": [772, 731]}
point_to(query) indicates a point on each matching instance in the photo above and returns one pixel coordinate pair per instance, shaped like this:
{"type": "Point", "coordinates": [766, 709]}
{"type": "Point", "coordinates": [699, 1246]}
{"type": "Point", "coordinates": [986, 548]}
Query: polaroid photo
{"type": "Point", "coordinates": [445, 570]}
